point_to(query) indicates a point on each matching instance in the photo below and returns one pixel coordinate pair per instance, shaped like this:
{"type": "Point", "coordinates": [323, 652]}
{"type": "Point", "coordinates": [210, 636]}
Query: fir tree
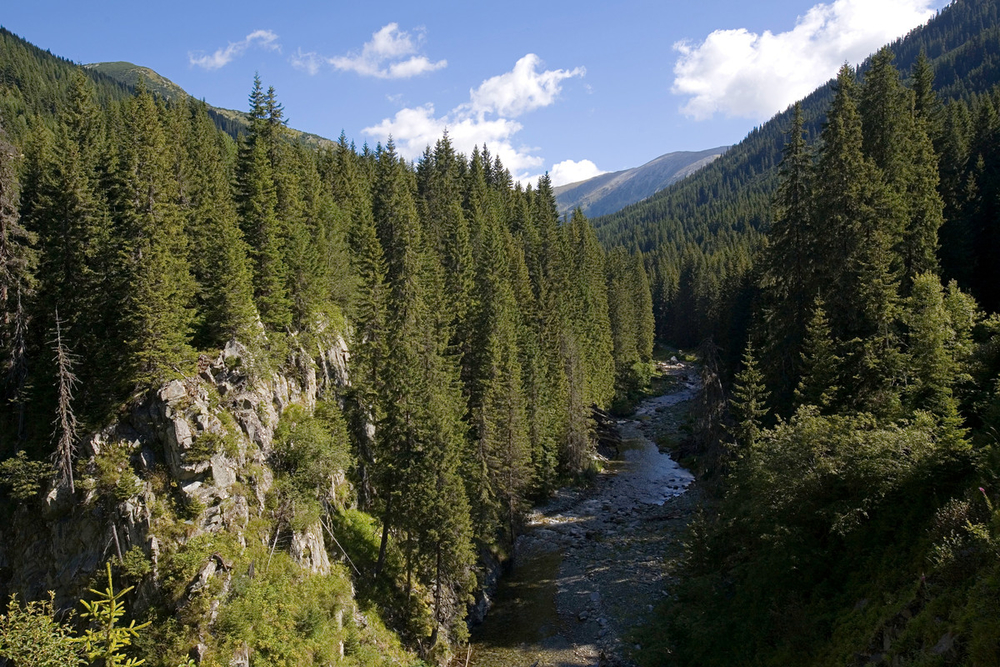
{"type": "Point", "coordinates": [926, 103]}
{"type": "Point", "coordinates": [861, 222]}
{"type": "Point", "coordinates": [219, 254]}
{"type": "Point", "coordinates": [590, 312]}
{"type": "Point", "coordinates": [931, 362]}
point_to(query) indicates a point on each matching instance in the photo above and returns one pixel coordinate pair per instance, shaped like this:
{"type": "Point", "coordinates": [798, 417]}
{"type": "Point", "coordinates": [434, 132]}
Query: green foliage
{"type": "Point", "coordinates": [135, 564]}
{"type": "Point", "coordinates": [311, 449]}
{"type": "Point", "coordinates": [105, 638]}
{"type": "Point", "coordinates": [749, 402]}
{"type": "Point", "coordinates": [850, 531]}
{"type": "Point", "coordinates": [113, 477]}
{"type": "Point", "coordinates": [23, 477]}
{"type": "Point", "coordinates": [31, 637]}
{"type": "Point", "coordinates": [821, 366]}
{"type": "Point", "coordinates": [284, 618]}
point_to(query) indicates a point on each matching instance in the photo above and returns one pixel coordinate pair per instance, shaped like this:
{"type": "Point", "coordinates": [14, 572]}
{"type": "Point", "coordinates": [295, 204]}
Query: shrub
{"type": "Point", "coordinates": [23, 477]}
{"type": "Point", "coordinates": [31, 637]}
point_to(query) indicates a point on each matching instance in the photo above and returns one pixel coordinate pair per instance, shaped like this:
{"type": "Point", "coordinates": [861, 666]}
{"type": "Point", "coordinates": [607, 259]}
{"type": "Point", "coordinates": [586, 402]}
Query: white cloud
{"type": "Point", "coordinates": [472, 124]}
{"type": "Point", "coordinates": [571, 171]}
{"type": "Point", "coordinates": [741, 73]}
{"type": "Point", "coordinates": [222, 57]}
{"type": "Point", "coordinates": [310, 62]}
{"type": "Point", "coordinates": [385, 56]}
{"type": "Point", "coordinates": [414, 129]}
{"type": "Point", "coordinates": [522, 89]}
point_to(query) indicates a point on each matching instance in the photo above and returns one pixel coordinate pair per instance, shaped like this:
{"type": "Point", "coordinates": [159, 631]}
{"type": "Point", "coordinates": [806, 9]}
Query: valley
{"type": "Point", "coordinates": [594, 563]}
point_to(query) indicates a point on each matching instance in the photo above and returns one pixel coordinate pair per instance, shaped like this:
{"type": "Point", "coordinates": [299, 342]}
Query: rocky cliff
{"type": "Point", "coordinates": [180, 492]}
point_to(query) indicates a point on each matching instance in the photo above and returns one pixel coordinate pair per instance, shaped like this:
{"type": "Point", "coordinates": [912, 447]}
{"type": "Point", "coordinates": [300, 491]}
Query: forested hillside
{"type": "Point", "coordinates": [35, 83]}
{"type": "Point", "coordinates": [137, 241]}
{"type": "Point", "coordinates": [699, 236]}
{"type": "Point", "coordinates": [855, 479]}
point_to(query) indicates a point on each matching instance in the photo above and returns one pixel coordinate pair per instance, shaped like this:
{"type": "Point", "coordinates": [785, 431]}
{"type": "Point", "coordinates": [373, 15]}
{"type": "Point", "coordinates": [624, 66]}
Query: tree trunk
{"type": "Point", "coordinates": [385, 539]}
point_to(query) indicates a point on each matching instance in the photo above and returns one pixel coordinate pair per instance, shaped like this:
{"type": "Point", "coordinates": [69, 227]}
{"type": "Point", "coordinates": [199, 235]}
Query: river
{"type": "Point", "coordinates": [593, 563]}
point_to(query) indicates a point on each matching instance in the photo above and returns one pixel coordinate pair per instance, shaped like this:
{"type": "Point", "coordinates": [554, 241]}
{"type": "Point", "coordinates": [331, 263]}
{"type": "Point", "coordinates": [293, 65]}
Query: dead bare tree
{"type": "Point", "coordinates": [65, 422]}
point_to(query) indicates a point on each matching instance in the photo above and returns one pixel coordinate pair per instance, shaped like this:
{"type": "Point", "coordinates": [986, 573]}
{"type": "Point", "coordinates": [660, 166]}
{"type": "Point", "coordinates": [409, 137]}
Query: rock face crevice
{"type": "Point", "coordinates": [207, 440]}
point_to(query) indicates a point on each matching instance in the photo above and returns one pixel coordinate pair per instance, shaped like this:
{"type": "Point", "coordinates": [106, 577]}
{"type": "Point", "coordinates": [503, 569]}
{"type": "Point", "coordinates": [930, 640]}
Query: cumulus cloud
{"type": "Point", "coordinates": [414, 129]}
{"type": "Point", "coordinates": [522, 89]}
{"type": "Point", "coordinates": [223, 56]}
{"type": "Point", "coordinates": [391, 54]}
{"type": "Point", "coordinates": [486, 120]}
{"type": "Point", "coordinates": [571, 171]}
{"type": "Point", "coordinates": [750, 75]}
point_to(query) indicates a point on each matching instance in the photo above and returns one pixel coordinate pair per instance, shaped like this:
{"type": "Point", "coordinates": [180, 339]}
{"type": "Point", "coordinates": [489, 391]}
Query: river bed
{"type": "Point", "coordinates": [593, 563]}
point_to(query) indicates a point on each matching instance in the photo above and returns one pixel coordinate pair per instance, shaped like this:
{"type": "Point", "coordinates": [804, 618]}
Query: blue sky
{"type": "Point", "coordinates": [572, 88]}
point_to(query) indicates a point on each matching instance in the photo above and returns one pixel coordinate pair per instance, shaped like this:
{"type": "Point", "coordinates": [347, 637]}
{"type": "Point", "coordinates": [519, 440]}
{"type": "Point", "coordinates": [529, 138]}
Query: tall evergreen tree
{"type": "Point", "coordinates": [860, 219]}
{"type": "Point", "coordinates": [789, 280]}
{"type": "Point", "coordinates": [931, 363]}
{"type": "Point", "coordinates": [257, 201]}
{"type": "Point", "coordinates": [819, 384]}
{"type": "Point", "coordinates": [749, 402]}
{"type": "Point", "coordinates": [219, 254]}
{"type": "Point", "coordinates": [589, 315]}
{"type": "Point", "coordinates": [17, 260]}
{"type": "Point", "coordinates": [157, 287]}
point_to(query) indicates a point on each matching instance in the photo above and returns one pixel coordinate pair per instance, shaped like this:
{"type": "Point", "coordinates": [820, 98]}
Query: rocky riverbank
{"type": "Point", "coordinates": [594, 563]}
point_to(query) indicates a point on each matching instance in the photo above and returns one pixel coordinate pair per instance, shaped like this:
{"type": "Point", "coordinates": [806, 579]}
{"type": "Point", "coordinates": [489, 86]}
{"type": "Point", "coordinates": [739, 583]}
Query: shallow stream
{"type": "Point", "coordinates": [593, 563]}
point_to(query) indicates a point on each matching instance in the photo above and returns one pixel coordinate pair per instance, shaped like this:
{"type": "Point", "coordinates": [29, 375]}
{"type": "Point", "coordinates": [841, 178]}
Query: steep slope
{"type": "Point", "coordinates": [611, 192]}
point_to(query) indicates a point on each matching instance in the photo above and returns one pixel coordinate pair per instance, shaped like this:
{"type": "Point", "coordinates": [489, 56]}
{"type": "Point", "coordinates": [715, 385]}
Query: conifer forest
{"type": "Point", "coordinates": [270, 401]}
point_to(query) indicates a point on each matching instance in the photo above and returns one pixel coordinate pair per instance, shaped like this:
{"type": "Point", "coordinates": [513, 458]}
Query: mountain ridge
{"type": "Point", "coordinates": [612, 191]}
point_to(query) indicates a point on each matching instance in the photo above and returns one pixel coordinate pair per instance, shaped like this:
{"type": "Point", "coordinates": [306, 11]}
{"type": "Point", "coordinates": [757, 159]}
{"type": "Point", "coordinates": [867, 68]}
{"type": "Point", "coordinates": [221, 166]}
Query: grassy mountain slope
{"type": "Point", "coordinates": [613, 191]}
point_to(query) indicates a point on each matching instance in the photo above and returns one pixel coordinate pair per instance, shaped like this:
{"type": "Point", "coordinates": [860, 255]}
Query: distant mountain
{"type": "Point", "coordinates": [611, 192]}
{"type": "Point", "coordinates": [229, 120]}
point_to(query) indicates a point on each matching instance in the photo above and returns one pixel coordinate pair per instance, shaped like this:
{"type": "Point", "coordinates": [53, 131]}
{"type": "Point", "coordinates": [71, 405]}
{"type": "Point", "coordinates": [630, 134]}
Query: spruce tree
{"type": "Point", "coordinates": [860, 220]}
{"type": "Point", "coordinates": [931, 363]}
{"type": "Point", "coordinates": [157, 288]}
{"type": "Point", "coordinates": [368, 343]}
{"type": "Point", "coordinates": [623, 317]}
{"type": "Point", "coordinates": [219, 254]}
{"type": "Point", "coordinates": [789, 282]}
{"type": "Point", "coordinates": [926, 103]}
{"type": "Point", "coordinates": [821, 367]}
{"type": "Point", "coordinates": [589, 314]}
{"type": "Point", "coordinates": [257, 201]}
{"type": "Point", "coordinates": [748, 404]}
{"type": "Point", "coordinates": [17, 260]}
{"type": "Point", "coordinates": [499, 470]}
{"type": "Point", "coordinates": [645, 325]}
